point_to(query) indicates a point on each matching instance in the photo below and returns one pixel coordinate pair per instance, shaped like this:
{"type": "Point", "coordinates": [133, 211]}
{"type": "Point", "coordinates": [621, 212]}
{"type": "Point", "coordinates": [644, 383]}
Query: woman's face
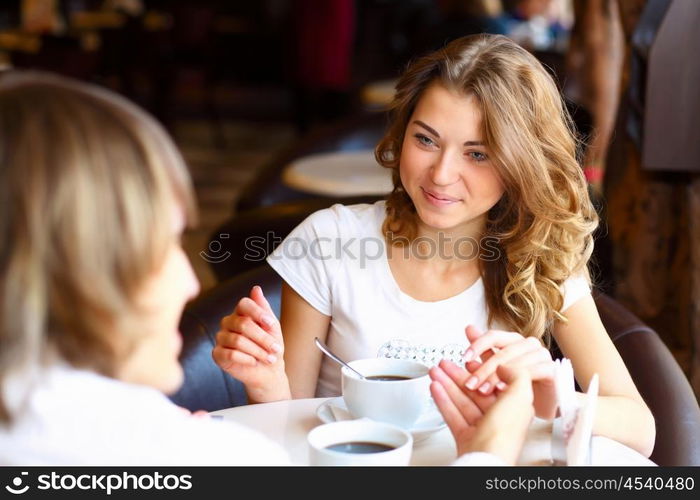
{"type": "Point", "coordinates": [445, 167]}
{"type": "Point", "coordinates": [154, 361]}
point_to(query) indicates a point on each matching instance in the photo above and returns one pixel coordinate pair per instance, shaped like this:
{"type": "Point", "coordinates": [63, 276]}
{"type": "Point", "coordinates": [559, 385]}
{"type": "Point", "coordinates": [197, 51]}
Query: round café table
{"type": "Point", "coordinates": [343, 173]}
{"type": "Point", "coordinates": [288, 423]}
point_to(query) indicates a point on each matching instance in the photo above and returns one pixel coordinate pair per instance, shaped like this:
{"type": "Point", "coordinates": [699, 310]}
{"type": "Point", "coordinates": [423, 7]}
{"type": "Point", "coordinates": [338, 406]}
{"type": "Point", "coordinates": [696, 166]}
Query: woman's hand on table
{"type": "Point", "coordinates": [497, 348]}
{"type": "Point", "coordinates": [472, 404]}
{"type": "Point", "coordinates": [500, 424]}
{"type": "Point", "coordinates": [249, 347]}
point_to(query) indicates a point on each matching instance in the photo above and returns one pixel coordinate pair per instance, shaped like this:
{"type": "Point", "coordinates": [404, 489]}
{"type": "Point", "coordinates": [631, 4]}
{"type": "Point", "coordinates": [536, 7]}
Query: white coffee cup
{"type": "Point", "coordinates": [398, 402]}
{"type": "Point", "coordinates": [326, 441]}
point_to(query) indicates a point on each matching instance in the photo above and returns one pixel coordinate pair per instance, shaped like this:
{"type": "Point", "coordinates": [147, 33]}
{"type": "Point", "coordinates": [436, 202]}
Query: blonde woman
{"type": "Point", "coordinates": [483, 242]}
{"type": "Point", "coordinates": [93, 281]}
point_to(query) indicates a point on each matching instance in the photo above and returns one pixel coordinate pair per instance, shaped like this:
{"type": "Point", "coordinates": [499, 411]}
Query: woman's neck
{"type": "Point", "coordinates": [450, 247]}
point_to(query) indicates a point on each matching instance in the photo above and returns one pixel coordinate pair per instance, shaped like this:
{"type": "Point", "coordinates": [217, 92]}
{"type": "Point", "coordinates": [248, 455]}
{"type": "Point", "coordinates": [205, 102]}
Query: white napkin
{"type": "Point", "coordinates": [578, 449]}
{"type": "Point", "coordinates": [571, 435]}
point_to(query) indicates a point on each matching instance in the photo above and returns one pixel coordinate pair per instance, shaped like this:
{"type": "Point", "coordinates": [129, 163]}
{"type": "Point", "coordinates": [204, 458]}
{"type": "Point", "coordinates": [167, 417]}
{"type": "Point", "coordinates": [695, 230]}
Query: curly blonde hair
{"type": "Point", "coordinates": [544, 222]}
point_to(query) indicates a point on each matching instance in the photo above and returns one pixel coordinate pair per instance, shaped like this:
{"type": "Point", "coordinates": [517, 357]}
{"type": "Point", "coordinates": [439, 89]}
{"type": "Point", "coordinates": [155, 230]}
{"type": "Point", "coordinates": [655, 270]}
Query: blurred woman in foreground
{"type": "Point", "coordinates": [93, 281]}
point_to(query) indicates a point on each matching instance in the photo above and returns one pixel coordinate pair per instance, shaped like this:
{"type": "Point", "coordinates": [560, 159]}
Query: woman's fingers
{"type": "Point", "coordinates": [459, 377]}
{"type": "Point", "coordinates": [229, 359]}
{"type": "Point", "coordinates": [492, 339]}
{"type": "Point", "coordinates": [472, 366]}
{"type": "Point", "coordinates": [526, 353]}
{"type": "Point", "coordinates": [259, 298]}
{"type": "Point", "coordinates": [244, 321]}
{"type": "Point", "coordinates": [450, 413]}
{"type": "Point", "coordinates": [538, 362]}
{"type": "Point", "coordinates": [249, 336]}
{"type": "Point", "coordinates": [240, 342]}
{"type": "Point", "coordinates": [266, 319]}
{"type": "Point", "coordinates": [469, 410]}
{"type": "Point", "coordinates": [519, 383]}
{"type": "Point", "coordinates": [246, 327]}
{"type": "Point", "coordinates": [472, 333]}
{"type": "Point", "coordinates": [485, 378]}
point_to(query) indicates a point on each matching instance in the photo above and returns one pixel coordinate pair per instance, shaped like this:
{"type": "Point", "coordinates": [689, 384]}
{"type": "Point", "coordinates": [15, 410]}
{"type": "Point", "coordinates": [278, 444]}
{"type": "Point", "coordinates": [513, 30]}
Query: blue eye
{"type": "Point", "coordinates": [478, 156]}
{"type": "Point", "coordinates": [424, 139]}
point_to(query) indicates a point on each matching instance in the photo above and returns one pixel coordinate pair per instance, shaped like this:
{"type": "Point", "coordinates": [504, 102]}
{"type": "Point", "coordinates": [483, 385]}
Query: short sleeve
{"type": "Point", "coordinates": [306, 259]}
{"type": "Point", "coordinates": [574, 289]}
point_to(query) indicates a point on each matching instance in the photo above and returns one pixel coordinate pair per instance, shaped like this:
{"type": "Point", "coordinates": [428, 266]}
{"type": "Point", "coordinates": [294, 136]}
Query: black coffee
{"type": "Point", "coordinates": [387, 377]}
{"type": "Point", "coordinates": [360, 447]}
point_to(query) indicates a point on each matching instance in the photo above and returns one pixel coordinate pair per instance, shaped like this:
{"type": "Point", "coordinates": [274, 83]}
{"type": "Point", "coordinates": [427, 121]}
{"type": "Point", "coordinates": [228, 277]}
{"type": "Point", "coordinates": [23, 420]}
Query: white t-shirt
{"type": "Point", "coordinates": [77, 417]}
{"type": "Point", "coordinates": [337, 261]}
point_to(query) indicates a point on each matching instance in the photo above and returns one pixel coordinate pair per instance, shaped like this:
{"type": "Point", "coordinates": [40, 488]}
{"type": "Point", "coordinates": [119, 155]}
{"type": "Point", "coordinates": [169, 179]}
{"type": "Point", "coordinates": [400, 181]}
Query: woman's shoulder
{"type": "Point", "coordinates": [338, 217]}
{"type": "Point", "coordinates": [574, 288]}
{"type": "Point", "coordinates": [359, 211]}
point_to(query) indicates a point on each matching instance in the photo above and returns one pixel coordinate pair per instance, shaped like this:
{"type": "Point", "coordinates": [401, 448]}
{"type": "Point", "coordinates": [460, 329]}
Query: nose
{"type": "Point", "coordinates": [191, 283]}
{"type": "Point", "coordinates": [445, 170]}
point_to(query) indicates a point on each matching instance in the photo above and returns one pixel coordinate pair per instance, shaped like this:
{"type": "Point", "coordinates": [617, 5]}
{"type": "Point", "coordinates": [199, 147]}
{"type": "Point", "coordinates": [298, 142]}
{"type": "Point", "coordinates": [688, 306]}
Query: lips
{"type": "Point", "coordinates": [442, 198]}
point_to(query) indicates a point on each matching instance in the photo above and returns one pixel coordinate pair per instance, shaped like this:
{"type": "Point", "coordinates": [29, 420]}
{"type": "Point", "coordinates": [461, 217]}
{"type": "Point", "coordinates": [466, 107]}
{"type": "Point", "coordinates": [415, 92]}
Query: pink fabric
{"type": "Point", "coordinates": [324, 36]}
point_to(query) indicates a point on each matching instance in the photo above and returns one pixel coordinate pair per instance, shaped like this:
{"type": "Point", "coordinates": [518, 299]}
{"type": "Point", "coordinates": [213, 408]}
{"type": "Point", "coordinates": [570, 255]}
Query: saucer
{"type": "Point", "coordinates": [334, 410]}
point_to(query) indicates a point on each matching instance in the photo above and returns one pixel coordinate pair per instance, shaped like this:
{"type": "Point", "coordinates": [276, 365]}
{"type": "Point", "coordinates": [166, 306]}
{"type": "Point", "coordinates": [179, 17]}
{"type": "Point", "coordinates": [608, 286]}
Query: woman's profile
{"type": "Point", "coordinates": [93, 281]}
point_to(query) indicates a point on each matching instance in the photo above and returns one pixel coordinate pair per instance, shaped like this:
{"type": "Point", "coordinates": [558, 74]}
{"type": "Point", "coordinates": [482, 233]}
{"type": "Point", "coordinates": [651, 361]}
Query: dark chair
{"type": "Point", "coordinates": [252, 235]}
{"type": "Point", "coordinates": [656, 373]}
{"type": "Point", "coordinates": [660, 381]}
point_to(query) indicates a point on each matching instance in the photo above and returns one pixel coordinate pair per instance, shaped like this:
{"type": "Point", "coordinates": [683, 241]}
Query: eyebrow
{"type": "Point", "coordinates": [434, 132]}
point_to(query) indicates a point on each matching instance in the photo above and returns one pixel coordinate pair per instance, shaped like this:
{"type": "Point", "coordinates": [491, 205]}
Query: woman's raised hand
{"type": "Point", "coordinates": [496, 348]}
{"type": "Point", "coordinates": [249, 346]}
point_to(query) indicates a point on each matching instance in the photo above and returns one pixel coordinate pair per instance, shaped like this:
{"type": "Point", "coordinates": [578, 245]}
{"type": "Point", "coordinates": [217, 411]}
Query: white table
{"type": "Point", "coordinates": [288, 423]}
{"type": "Point", "coordinates": [344, 173]}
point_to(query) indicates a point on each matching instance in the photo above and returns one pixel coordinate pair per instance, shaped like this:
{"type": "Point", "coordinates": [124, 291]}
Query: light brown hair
{"type": "Point", "coordinates": [545, 220]}
{"type": "Point", "coordinates": [87, 185]}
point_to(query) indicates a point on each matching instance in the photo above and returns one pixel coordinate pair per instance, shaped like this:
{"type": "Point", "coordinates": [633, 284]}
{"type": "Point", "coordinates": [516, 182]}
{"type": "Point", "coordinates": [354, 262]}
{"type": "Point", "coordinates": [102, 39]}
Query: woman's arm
{"type": "Point", "coordinates": [622, 414]}
{"type": "Point", "coordinates": [301, 322]}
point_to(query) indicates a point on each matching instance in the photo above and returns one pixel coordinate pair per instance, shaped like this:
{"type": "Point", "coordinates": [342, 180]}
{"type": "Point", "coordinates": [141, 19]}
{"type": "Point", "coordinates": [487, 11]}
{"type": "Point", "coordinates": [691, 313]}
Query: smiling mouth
{"type": "Point", "coordinates": [438, 198]}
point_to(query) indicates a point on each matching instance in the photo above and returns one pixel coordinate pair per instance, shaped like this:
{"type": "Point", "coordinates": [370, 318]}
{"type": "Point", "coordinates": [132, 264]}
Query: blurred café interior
{"type": "Point", "coordinates": [277, 104]}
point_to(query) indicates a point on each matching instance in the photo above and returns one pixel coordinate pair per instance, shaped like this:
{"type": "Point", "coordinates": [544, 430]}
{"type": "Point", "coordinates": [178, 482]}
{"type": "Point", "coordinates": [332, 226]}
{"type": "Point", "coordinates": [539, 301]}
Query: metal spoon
{"type": "Point", "coordinates": [327, 352]}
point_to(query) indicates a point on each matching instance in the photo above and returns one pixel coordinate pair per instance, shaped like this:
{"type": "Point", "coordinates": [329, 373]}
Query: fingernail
{"type": "Point", "coordinates": [271, 358]}
{"type": "Point", "coordinates": [267, 319]}
{"type": "Point", "coordinates": [501, 386]}
{"type": "Point", "coordinates": [484, 389]}
{"type": "Point", "coordinates": [472, 383]}
{"type": "Point", "coordinates": [468, 355]}
{"type": "Point", "coordinates": [275, 347]}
